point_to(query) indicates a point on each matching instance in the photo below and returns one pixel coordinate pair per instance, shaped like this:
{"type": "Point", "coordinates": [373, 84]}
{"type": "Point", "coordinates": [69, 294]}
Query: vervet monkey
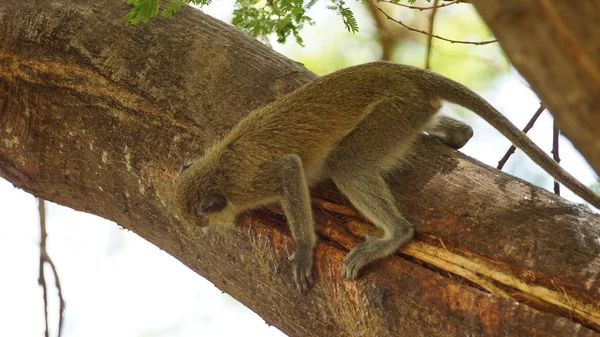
{"type": "Point", "coordinates": [352, 126]}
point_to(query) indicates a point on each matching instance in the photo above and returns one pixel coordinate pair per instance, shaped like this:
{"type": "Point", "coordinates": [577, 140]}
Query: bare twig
{"type": "Point", "coordinates": [435, 36]}
{"type": "Point", "coordinates": [434, 7]}
{"type": "Point", "coordinates": [555, 134]}
{"type": "Point", "coordinates": [529, 125]}
{"type": "Point", "coordinates": [44, 258]}
{"type": "Point", "coordinates": [430, 36]}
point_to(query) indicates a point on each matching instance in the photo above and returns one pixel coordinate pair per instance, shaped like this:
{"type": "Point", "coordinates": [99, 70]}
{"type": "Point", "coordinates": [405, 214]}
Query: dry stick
{"type": "Point", "coordinates": [529, 125]}
{"type": "Point", "coordinates": [430, 36]}
{"type": "Point", "coordinates": [555, 134]}
{"type": "Point", "coordinates": [41, 278]}
{"type": "Point", "coordinates": [434, 7]}
{"type": "Point", "coordinates": [436, 36]}
{"type": "Point", "coordinates": [44, 258]}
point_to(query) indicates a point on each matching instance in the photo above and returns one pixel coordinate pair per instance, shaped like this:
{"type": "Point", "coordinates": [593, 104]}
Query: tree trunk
{"type": "Point", "coordinates": [98, 115]}
{"type": "Point", "coordinates": [555, 44]}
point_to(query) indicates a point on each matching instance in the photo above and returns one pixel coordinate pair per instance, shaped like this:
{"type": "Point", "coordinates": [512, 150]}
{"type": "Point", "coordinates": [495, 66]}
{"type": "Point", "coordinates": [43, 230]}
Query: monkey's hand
{"type": "Point", "coordinates": [303, 261]}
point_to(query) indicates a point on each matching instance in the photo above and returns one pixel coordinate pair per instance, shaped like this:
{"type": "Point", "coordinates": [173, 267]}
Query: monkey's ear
{"type": "Point", "coordinates": [184, 167]}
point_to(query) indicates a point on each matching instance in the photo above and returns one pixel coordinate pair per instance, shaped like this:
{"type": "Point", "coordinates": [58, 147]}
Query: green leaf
{"type": "Point", "coordinates": [172, 8]}
{"type": "Point", "coordinates": [347, 16]}
{"type": "Point", "coordinates": [143, 10]}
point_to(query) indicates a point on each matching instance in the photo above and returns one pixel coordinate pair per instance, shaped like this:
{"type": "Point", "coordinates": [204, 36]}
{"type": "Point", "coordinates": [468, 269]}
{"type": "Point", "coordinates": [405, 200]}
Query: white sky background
{"type": "Point", "coordinates": [117, 284]}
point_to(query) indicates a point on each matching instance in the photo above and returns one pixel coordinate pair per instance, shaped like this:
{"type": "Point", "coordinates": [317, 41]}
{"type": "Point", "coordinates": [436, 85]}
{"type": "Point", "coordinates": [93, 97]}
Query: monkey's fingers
{"type": "Point", "coordinates": [303, 280]}
{"type": "Point", "coordinates": [355, 261]}
{"type": "Point", "coordinates": [373, 249]}
{"type": "Point", "coordinates": [303, 270]}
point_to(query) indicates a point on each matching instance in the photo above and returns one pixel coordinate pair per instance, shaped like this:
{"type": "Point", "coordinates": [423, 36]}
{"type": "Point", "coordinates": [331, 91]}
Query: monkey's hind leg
{"type": "Point", "coordinates": [357, 166]}
{"type": "Point", "coordinates": [450, 131]}
{"type": "Point", "coordinates": [370, 194]}
{"type": "Point", "coordinates": [295, 200]}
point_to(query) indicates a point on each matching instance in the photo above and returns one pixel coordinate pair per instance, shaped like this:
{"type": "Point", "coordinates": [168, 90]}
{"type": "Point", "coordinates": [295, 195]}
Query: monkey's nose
{"type": "Point", "coordinates": [213, 203]}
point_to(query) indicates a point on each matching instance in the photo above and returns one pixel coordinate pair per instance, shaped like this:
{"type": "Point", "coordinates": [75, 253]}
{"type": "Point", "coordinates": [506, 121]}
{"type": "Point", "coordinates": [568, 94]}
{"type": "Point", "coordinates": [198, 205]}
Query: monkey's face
{"type": "Point", "coordinates": [200, 196]}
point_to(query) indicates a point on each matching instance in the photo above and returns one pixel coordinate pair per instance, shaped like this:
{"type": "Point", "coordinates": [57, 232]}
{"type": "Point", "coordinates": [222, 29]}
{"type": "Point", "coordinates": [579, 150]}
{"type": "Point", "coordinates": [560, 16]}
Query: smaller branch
{"type": "Point", "coordinates": [430, 36]}
{"type": "Point", "coordinates": [45, 258]}
{"type": "Point", "coordinates": [528, 127]}
{"type": "Point", "coordinates": [434, 7]}
{"type": "Point", "coordinates": [555, 134]}
{"type": "Point", "coordinates": [436, 36]}
{"type": "Point", "coordinates": [41, 278]}
{"type": "Point", "coordinates": [383, 34]}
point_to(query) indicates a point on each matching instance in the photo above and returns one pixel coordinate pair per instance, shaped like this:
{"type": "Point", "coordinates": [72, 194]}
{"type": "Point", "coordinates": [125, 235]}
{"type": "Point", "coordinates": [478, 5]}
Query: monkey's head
{"type": "Point", "coordinates": [200, 194]}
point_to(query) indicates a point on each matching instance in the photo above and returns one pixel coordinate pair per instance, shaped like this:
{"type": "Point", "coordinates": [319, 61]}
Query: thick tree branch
{"type": "Point", "coordinates": [98, 115]}
{"type": "Point", "coordinates": [555, 44]}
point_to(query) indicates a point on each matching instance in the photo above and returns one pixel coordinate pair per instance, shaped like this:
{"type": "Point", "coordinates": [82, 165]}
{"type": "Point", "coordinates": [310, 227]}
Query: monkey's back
{"type": "Point", "coordinates": [315, 117]}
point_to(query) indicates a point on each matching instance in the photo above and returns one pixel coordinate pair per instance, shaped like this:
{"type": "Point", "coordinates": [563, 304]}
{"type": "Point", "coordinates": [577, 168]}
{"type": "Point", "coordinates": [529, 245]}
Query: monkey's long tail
{"type": "Point", "coordinates": [457, 93]}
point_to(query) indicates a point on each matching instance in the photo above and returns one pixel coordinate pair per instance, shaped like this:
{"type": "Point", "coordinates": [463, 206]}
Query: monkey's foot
{"type": "Point", "coordinates": [372, 249]}
{"type": "Point", "coordinates": [303, 261]}
{"type": "Point", "coordinates": [358, 257]}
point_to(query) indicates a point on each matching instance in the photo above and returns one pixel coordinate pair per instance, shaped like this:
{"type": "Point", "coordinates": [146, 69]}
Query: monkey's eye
{"type": "Point", "coordinates": [184, 167]}
{"type": "Point", "coordinates": [212, 203]}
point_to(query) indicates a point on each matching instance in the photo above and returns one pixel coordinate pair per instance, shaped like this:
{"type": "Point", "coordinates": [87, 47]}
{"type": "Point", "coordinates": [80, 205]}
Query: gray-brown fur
{"type": "Point", "coordinates": [351, 126]}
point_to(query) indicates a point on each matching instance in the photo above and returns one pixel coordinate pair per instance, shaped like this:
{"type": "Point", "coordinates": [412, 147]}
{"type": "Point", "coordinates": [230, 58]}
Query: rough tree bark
{"type": "Point", "coordinates": [555, 44]}
{"type": "Point", "coordinates": [97, 115]}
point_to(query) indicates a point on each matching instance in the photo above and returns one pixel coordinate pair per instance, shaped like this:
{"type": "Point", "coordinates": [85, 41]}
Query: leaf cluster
{"type": "Point", "coordinates": [261, 18]}
{"type": "Point", "coordinates": [258, 18]}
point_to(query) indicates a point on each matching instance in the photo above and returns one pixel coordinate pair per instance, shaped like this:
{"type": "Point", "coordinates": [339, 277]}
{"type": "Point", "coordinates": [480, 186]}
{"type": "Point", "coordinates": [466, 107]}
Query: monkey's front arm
{"type": "Point", "coordinates": [295, 200]}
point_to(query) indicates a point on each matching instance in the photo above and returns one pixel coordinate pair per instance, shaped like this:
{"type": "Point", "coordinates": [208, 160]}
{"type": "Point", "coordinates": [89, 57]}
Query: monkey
{"type": "Point", "coordinates": [351, 126]}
